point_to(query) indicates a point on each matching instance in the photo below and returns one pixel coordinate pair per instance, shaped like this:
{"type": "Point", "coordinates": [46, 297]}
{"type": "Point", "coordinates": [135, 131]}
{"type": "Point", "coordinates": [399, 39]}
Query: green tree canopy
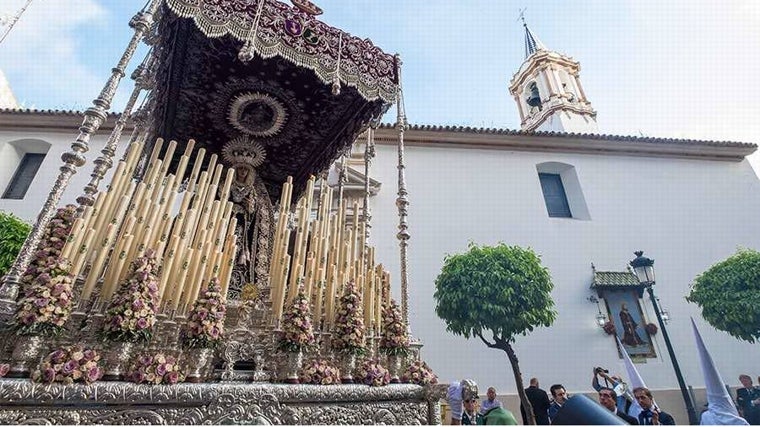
{"type": "Point", "coordinates": [729, 295]}
{"type": "Point", "coordinates": [13, 232]}
{"type": "Point", "coordinates": [498, 292]}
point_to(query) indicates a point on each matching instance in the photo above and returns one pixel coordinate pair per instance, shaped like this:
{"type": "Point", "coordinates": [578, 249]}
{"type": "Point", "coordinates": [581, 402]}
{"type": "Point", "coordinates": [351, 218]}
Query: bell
{"type": "Point", "coordinates": [534, 99]}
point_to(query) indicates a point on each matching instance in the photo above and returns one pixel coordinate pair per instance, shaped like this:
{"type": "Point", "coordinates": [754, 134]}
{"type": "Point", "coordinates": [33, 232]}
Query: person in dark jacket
{"type": "Point", "coordinates": [650, 414]}
{"type": "Point", "coordinates": [608, 399]}
{"type": "Point", "coordinates": [540, 402]}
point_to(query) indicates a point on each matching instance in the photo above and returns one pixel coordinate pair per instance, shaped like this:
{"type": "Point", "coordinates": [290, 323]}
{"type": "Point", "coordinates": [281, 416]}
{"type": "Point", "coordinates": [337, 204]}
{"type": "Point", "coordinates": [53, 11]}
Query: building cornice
{"type": "Point", "coordinates": [50, 120]}
{"type": "Point", "coordinates": [594, 144]}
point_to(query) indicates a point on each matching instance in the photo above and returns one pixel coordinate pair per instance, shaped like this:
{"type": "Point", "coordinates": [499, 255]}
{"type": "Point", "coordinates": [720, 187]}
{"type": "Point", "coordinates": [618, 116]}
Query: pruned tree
{"type": "Point", "coordinates": [729, 295]}
{"type": "Point", "coordinates": [498, 292]}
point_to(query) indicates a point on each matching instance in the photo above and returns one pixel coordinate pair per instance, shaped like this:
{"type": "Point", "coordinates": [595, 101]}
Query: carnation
{"type": "Point", "coordinates": [121, 322]}
{"type": "Point", "coordinates": [154, 369]}
{"type": "Point", "coordinates": [372, 373]}
{"type": "Point", "coordinates": [395, 339]}
{"type": "Point", "coordinates": [297, 329]}
{"type": "Point", "coordinates": [418, 372]}
{"type": "Point", "coordinates": [205, 322]}
{"type": "Point", "coordinates": [348, 333]}
{"type": "Point", "coordinates": [319, 371]}
{"type": "Point", "coordinates": [64, 365]}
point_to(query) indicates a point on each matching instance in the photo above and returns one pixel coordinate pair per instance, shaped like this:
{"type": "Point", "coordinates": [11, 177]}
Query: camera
{"type": "Point", "coordinates": [599, 370]}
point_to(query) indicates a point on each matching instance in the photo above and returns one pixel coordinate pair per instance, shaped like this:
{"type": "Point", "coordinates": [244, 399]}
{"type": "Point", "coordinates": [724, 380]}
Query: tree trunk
{"type": "Point", "coordinates": [518, 380]}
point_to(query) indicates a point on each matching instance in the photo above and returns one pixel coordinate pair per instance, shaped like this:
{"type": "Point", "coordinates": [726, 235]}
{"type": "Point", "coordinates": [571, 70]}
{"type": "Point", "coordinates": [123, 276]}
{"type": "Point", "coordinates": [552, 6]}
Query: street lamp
{"type": "Point", "coordinates": [601, 319]}
{"type": "Point", "coordinates": [644, 269]}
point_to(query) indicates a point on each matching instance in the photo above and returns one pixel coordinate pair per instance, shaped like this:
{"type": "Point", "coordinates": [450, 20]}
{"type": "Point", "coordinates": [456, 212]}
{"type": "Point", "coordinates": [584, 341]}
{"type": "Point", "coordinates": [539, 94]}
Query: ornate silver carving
{"type": "Point", "coordinates": [197, 363]}
{"type": "Point", "coordinates": [26, 354]}
{"type": "Point", "coordinates": [347, 368]}
{"type": "Point", "coordinates": [23, 402]}
{"type": "Point", "coordinates": [117, 358]}
{"type": "Point", "coordinates": [402, 201]}
{"type": "Point", "coordinates": [294, 364]}
{"type": "Point", "coordinates": [394, 367]}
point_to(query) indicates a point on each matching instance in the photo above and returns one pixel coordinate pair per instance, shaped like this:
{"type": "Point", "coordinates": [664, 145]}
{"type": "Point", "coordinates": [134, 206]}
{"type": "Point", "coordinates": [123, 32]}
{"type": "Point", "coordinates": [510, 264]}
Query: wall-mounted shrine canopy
{"type": "Point", "coordinates": [616, 281]}
{"type": "Point", "coordinates": [282, 98]}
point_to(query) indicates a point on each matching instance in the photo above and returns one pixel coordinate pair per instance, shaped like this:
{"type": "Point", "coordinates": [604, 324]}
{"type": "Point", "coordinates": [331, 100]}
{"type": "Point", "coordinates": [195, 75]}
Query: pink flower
{"type": "Point", "coordinates": [173, 377]}
{"type": "Point", "coordinates": [4, 368]}
{"type": "Point", "coordinates": [48, 375]}
{"type": "Point", "coordinates": [161, 369]}
{"type": "Point", "coordinates": [69, 367]}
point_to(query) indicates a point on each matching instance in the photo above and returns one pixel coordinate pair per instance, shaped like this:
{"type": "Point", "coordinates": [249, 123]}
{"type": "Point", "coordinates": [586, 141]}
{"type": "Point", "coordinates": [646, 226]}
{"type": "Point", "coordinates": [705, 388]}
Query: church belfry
{"type": "Point", "coordinates": [548, 91]}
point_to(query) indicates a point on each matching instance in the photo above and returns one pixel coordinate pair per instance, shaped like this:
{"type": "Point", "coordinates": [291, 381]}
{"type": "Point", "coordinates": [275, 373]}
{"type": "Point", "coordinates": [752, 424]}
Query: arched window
{"type": "Point", "coordinates": [562, 191]}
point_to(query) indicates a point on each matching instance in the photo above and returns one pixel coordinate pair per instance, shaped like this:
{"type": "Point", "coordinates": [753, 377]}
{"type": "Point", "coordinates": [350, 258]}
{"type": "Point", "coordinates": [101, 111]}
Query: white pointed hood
{"type": "Point", "coordinates": [720, 406]}
{"type": "Point", "coordinates": [634, 379]}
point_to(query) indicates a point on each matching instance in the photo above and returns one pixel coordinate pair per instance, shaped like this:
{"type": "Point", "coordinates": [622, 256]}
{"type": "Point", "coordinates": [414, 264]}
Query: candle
{"type": "Point", "coordinates": [97, 266]}
{"type": "Point", "coordinates": [330, 297]}
{"type": "Point", "coordinates": [114, 279]}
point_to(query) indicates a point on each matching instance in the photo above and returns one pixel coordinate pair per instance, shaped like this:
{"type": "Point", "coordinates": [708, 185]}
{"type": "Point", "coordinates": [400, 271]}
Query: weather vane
{"type": "Point", "coordinates": [521, 15]}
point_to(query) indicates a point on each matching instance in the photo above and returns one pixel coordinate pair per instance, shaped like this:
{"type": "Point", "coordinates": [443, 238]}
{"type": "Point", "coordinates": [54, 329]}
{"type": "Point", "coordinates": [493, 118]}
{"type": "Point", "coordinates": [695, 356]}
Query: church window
{"type": "Point", "coordinates": [24, 176]}
{"type": "Point", "coordinates": [554, 195]}
{"type": "Point", "coordinates": [562, 191]}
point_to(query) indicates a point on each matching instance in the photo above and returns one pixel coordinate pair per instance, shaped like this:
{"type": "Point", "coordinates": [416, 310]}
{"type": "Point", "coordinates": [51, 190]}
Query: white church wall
{"type": "Point", "coordinates": [11, 152]}
{"type": "Point", "coordinates": [685, 214]}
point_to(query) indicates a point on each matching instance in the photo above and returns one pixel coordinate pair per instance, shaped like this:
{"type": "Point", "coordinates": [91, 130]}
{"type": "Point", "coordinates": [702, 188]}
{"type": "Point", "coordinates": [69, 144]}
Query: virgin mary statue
{"type": "Point", "coordinates": [255, 216]}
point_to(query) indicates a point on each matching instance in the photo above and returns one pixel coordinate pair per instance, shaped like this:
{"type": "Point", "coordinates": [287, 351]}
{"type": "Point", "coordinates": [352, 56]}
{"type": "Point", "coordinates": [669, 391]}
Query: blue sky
{"type": "Point", "coordinates": [675, 68]}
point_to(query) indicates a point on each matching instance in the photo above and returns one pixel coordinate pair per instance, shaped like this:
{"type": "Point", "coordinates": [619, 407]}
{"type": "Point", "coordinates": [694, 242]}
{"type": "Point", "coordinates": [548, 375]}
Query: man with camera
{"type": "Point", "coordinates": [614, 382]}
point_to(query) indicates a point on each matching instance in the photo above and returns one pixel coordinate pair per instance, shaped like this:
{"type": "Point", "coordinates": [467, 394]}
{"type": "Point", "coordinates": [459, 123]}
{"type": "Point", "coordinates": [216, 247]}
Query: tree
{"type": "Point", "coordinates": [13, 232]}
{"type": "Point", "coordinates": [502, 291]}
{"type": "Point", "coordinates": [729, 295]}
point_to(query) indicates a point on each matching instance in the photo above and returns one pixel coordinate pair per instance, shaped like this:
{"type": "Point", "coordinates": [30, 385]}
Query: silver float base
{"type": "Point", "coordinates": [24, 402]}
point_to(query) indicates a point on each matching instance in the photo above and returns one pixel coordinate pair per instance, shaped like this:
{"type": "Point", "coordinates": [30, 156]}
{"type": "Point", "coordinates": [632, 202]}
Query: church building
{"type": "Point", "coordinates": [583, 200]}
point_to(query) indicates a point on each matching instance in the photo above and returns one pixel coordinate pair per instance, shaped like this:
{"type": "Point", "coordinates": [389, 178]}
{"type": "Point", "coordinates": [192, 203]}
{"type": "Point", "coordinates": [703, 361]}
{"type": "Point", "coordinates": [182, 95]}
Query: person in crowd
{"type": "Point", "coordinates": [748, 400]}
{"type": "Point", "coordinates": [498, 415]}
{"type": "Point", "coordinates": [457, 393]}
{"type": "Point", "coordinates": [559, 397]}
{"type": "Point", "coordinates": [608, 399]}
{"type": "Point", "coordinates": [540, 402]}
{"type": "Point", "coordinates": [614, 382]}
{"type": "Point", "coordinates": [489, 402]}
{"type": "Point", "coordinates": [470, 416]}
{"type": "Point", "coordinates": [650, 414]}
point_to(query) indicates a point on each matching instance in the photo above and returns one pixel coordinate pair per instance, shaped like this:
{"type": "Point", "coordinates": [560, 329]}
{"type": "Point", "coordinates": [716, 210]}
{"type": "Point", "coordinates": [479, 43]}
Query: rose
{"type": "Point", "coordinates": [4, 368]}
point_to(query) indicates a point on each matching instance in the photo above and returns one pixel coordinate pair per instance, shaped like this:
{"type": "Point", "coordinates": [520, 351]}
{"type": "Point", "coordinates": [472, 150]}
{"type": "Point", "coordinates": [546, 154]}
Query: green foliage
{"type": "Point", "coordinates": [13, 232]}
{"type": "Point", "coordinates": [729, 295]}
{"type": "Point", "coordinates": [502, 289]}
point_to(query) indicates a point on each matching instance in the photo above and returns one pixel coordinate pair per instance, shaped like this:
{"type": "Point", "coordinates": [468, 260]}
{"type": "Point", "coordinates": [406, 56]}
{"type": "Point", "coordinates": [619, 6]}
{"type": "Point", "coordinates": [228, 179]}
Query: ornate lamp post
{"type": "Point", "coordinates": [644, 269]}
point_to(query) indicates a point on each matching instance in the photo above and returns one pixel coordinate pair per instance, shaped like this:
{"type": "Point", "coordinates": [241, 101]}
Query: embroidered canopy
{"type": "Point", "coordinates": [270, 74]}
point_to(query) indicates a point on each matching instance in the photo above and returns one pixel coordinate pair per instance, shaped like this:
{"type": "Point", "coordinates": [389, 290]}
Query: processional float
{"type": "Point", "coordinates": [217, 254]}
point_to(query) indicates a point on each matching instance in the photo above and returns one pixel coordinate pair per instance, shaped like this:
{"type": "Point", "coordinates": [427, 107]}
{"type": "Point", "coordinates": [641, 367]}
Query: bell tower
{"type": "Point", "coordinates": [548, 91]}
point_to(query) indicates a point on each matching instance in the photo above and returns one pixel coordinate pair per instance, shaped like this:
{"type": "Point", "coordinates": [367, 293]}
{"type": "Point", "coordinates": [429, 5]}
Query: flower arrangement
{"type": "Point", "coordinates": [319, 371]}
{"type": "Point", "coordinates": [372, 373]}
{"type": "Point", "coordinates": [155, 369]}
{"type": "Point", "coordinates": [205, 322]}
{"type": "Point", "coordinates": [348, 333]}
{"type": "Point", "coordinates": [395, 340]}
{"type": "Point", "coordinates": [418, 372]}
{"type": "Point", "coordinates": [51, 243]}
{"type": "Point", "coordinates": [131, 314]}
{"type": "Point", "coordinates": [46, 303]}
{"type": "Point", "coordinates": [609, 328]}
{"type": "Point", "coordinates": [68, 365]}
{"type": "Point", "coordinates": [297, 330]}
{"type": "Point", "coordinates": [4, 369]}
{"type": "Point", "coordinates": [651, 328]}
